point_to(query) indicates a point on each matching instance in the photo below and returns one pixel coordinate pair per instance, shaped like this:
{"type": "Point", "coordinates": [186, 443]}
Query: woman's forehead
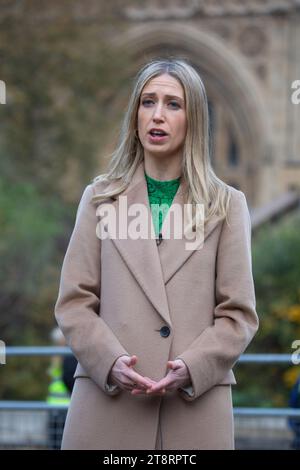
{"type": "Point", "coordinates": [168, 84]}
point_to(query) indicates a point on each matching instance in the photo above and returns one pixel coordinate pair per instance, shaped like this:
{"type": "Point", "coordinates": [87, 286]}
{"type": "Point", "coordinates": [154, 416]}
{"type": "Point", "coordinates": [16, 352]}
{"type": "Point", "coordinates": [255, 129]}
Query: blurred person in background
{"type": "Point", "coordinates": [69, 367]}
{"type": "Point", "coordinates": [58, 393]}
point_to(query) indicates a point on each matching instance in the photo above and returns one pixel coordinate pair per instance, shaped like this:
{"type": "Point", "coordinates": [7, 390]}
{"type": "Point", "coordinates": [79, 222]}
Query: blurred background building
{"type": "Point", "coordinates": [246, 51]}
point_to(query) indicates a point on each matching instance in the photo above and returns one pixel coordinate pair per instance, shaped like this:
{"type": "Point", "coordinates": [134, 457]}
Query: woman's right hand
{"type": "Point", "coordinates": [123, 375]}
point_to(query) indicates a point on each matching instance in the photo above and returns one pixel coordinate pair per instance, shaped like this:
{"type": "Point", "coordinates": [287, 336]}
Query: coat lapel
{"type": "Point", "coordinates": [152, 265]}
{"type": "Point", "coordinates": [173, 251]}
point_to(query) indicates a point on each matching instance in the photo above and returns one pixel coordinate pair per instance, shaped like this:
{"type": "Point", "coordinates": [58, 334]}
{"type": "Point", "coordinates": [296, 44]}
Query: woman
{"type": "Point", "coordinates": [156, 325]}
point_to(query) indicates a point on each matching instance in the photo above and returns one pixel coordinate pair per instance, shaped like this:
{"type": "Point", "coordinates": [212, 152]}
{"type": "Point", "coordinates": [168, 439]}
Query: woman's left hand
{"type": "Point", "coordinates": [178, 376]}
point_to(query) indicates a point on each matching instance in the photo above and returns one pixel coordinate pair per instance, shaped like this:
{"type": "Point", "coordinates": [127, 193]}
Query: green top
{"type": "Point", "coordinates": [161, 195]}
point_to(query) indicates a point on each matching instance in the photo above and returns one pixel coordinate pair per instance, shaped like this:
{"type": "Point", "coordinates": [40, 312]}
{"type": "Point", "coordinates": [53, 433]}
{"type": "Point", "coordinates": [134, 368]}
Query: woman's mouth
{"type": "Point", "coordinates": [156, 137]}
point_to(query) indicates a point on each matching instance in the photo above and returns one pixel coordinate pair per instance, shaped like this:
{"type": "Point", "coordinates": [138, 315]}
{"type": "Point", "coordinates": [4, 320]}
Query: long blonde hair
{"type": "Point", "coordinates": [203, 186]}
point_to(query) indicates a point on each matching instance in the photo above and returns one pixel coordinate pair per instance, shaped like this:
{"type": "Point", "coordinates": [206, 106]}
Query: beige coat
{"type": "Point", "coordinates": [115, 295]}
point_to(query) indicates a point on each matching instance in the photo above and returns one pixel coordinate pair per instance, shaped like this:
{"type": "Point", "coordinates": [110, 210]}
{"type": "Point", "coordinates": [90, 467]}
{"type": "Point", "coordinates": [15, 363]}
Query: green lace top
{"type": "Point", "coordinates": [161, 195]}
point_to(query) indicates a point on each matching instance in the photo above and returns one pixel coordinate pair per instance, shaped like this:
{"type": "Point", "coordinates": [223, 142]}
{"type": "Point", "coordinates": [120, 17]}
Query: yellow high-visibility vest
{"type": "Point", "coordinates": [58, 393]}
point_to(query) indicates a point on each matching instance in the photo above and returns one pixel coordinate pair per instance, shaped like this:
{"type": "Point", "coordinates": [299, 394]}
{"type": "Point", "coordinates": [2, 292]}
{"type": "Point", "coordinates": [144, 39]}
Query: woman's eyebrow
{"type": "Point", "coordinates": [167, 96]}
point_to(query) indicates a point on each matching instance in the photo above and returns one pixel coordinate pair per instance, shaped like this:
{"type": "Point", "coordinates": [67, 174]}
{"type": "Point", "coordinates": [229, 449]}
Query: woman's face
{"type": "Point", "coordinates": [162, 106]}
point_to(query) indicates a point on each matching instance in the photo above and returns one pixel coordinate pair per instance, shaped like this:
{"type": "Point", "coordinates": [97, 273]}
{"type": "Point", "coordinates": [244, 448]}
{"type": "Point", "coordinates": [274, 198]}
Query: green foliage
{"type": "Point", "coordinates": [25, 378]}
{"type": "Point", "coordinates": [62, 87]}
{"type": "Point", "coordinates": [276, 271]}
{"type": "Point", "coordinates": [31, 226]}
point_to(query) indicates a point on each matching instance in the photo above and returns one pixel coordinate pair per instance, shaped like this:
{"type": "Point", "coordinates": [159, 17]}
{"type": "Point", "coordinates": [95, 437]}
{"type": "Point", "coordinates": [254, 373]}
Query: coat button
{"type": "Point", "coordinates": [164, 331]}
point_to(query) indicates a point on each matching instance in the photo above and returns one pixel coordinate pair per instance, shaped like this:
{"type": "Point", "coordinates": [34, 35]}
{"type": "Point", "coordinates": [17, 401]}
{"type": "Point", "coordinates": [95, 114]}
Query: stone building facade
{"type": "Point", "coordinates": [248, 53]}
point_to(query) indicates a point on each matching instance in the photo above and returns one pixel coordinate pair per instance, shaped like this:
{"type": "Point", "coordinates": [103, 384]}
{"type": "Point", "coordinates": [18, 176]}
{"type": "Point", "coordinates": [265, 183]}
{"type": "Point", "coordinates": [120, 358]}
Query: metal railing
{"type": "Point", "coordinates": [64, 351]}
{"type": "Point", "coordinates": [7, 406]}
{"type": "Point", "coordinates": [238, 411]}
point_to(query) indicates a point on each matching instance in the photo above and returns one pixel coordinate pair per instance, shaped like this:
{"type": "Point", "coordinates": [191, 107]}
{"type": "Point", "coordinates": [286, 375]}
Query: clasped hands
{"type": "Point", "coordinates": [122, 374]}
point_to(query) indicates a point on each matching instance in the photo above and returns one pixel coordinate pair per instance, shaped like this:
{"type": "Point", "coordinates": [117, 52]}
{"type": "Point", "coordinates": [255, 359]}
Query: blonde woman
{"type": "Point", "coordinates": [157, 321]}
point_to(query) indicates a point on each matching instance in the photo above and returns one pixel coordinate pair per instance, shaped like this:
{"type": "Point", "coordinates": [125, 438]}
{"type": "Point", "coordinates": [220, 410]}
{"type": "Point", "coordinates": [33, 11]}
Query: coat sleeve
{"type": "Point", "coordinates": [77, 309]}
{"type": "Point", "coordinates": [214, 352]}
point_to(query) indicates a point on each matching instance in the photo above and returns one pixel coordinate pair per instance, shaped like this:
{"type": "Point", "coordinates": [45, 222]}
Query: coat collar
{"type": "Point", "coordinates": [153, 265]}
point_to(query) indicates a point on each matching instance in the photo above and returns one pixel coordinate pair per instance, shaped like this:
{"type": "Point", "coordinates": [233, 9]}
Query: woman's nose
{"type": "Point", "coordinates": [158, 112]}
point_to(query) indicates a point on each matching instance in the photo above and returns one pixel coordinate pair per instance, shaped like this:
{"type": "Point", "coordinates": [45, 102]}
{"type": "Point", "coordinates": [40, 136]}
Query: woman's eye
{"type": "Point", "coordinates": [173, 103]}
{"type": "Point", "coordinates": [147, 101]}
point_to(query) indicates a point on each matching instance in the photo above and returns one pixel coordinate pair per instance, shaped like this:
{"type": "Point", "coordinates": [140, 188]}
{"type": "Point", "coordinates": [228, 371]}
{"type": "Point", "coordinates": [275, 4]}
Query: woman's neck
{"type": "Point", "coordinates": [162, 171]}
